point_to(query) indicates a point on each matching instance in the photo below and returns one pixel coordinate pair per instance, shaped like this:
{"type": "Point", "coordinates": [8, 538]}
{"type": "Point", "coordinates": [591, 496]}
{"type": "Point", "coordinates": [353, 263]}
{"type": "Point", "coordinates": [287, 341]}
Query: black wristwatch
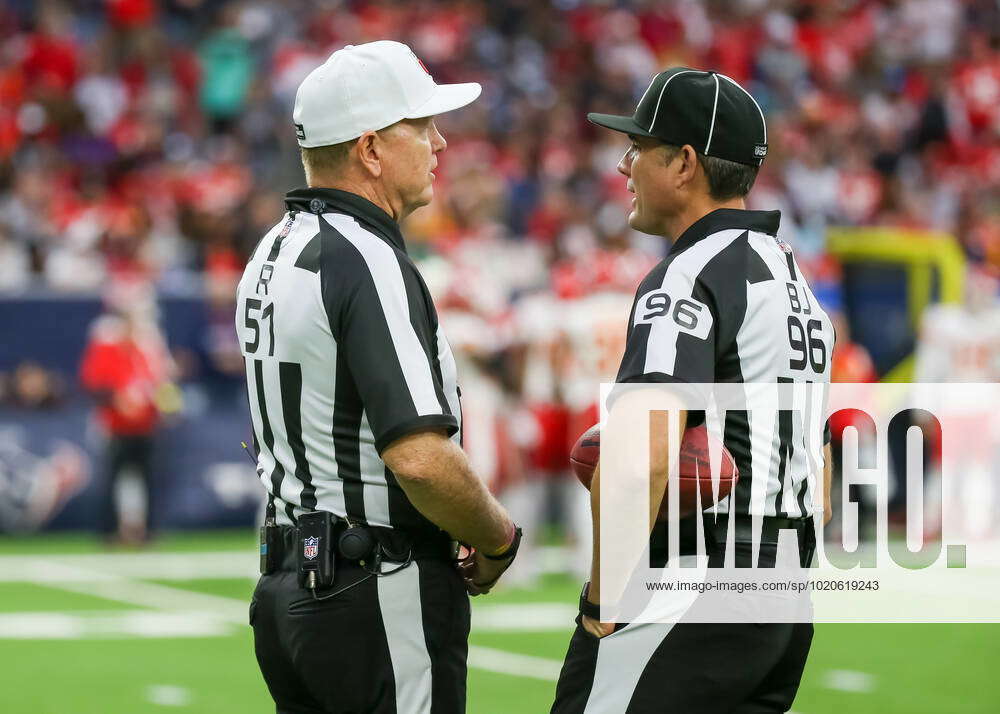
{"type": "Point", "coordinates": [511, 550]}
{"type": "Point", "coordinates": [586, 606]}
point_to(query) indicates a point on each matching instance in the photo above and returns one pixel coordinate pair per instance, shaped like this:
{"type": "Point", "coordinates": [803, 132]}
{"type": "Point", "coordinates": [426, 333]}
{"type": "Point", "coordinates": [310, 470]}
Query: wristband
{"type": "Point", "coordinates": [510, 551]}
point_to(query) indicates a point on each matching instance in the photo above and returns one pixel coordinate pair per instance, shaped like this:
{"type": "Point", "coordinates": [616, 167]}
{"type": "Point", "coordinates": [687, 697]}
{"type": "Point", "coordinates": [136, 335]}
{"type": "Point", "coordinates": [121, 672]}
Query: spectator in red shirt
{"type": "Point", "coordinates": [124, 366]}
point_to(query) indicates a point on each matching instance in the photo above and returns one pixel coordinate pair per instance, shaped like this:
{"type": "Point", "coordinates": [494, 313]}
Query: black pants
{"type": "Point", "coordinates": [687, 667]}
{"type": "Point", "coordinates": [135, 451]}
{"type": "Point", "coordinates": [395, 644]}
{"type": "Point", "coordinates": [696, 668]}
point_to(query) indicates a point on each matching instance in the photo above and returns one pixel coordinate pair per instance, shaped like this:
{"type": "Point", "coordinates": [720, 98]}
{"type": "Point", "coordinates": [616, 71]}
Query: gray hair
{"type": "Point", "coordinates": [325, 160]}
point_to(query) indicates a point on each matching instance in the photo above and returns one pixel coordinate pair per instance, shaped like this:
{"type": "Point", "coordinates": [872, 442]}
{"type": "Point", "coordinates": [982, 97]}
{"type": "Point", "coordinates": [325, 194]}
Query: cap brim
{"type": "Point", "coordinates": [446, 98]}
{"type": "Point", "coordinates": [626, 125]}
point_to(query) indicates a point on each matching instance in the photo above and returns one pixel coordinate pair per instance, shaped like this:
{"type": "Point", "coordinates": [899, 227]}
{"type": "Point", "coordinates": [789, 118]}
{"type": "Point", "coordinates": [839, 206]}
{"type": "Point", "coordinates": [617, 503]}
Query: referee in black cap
{"type": "Point", "coordinates": [727, 305]}
{"type": "Point", "coordinates": [362, 605]}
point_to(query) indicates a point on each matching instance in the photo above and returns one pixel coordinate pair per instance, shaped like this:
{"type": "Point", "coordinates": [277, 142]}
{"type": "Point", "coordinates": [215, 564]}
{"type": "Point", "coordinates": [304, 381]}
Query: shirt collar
{"type": "Point", "coordinates": [324, 200]}
{"type": "Point", "coordinates": [722, 219]}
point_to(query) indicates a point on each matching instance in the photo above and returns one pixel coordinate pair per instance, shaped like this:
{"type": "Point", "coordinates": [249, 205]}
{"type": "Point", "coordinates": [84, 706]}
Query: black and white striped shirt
{"type": "Point", "coordinates": [729, 304]}
{"type": "Point", "coordinates": [343, 356]}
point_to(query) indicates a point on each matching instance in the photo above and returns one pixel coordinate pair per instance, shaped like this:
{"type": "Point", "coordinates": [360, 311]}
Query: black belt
{"type": "Point", "coordinates": [396, 545]}
{"type": "Point", "coordinates": [715, 533]}
{"type": "Point", "coordinates": [744, 530]}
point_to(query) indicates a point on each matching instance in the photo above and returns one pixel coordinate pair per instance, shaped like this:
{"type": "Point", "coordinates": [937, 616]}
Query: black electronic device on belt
{"type": "Point", "coordinates": [356, 543]}
{"type": "Point", "coordinates": [270, 538]}
{"type": "Point", "coordinates": [313, 536]}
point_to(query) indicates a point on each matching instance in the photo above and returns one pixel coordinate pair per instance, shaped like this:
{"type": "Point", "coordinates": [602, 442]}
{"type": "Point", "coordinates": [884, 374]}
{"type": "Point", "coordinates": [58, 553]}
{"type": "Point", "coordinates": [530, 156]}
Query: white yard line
{"type": "Point", "coordinates": [847, 680]}
{"type": "Point", "coordinates": [519, 665]}
{"type": "Point", "coordinates": [168, 695]}
{"type": "Point", "coordinates": [104, 624]}
{"type": "Point", "coordinates": [185, 615]}
{"type": "Point", "coordinates": [529, 617]}
{"type": "Point", "coordinates": [110, 576]}
{"type": "Point", "coordinates": [159, 597]}
{"type": "Point", "coordinates": [162, 566]}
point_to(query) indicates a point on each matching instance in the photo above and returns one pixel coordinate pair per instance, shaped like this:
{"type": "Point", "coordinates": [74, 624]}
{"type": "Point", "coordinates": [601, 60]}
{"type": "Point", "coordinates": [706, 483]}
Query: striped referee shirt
{"type": "Point", "coordinates": [343, 356]}
{"type": "Point", "coordinates": [729, 304]}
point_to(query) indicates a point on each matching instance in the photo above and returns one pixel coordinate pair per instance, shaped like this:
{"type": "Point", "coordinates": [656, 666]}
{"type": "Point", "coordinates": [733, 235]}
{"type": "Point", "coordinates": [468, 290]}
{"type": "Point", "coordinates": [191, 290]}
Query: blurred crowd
{"type": "Point", "coordinates": [150, 140]}
{"type": "Point", "coordinates": [145, 146]}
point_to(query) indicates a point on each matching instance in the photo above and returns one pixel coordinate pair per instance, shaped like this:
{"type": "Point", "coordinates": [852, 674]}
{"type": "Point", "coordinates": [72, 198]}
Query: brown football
{"type": "Point", "coordinates": [695, 468]}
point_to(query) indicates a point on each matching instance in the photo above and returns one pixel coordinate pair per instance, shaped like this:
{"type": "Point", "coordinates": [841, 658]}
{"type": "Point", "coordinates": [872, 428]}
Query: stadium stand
{"type": "Point", "coordinates": [145, 146]}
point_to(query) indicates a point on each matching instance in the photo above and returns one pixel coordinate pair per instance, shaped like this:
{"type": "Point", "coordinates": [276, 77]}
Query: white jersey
{"type": "Point", "coordinates": [593, 328]}
{"type": "Point", "coordinates": [483, 403]}
{"type": "Point", "coordinates": [343, 356]}
{"type": "Point", "coordinates": [537, 323]}
{"type": "Point", "coordinates": [959, 345]}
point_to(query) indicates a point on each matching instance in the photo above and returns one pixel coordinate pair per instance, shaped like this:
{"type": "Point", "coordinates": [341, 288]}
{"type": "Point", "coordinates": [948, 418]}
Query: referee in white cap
{"type": "Point", "coordinates": [362, 605]}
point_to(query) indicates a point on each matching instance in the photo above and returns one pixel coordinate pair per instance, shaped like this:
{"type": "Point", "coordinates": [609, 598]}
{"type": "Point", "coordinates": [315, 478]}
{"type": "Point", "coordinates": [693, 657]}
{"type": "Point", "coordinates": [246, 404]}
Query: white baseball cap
{"type": "Point", "coordinates": [369, 87]}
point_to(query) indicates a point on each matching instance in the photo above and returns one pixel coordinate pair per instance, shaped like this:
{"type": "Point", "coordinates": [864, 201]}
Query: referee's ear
{"type": "Point", "coordinates": [366, 150]}
{"type": "Point", "coordinates": [685, 163]}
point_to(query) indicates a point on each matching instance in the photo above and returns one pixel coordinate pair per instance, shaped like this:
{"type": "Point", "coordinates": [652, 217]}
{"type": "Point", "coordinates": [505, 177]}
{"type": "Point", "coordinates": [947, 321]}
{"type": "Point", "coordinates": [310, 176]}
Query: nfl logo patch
{"type": "Point", "coordinates": [310, 548]}
{"type": "Point", "coordinates": [783, 245]}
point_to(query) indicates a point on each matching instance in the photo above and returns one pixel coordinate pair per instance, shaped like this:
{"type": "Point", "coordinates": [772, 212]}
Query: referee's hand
{"type": "Point", "coordinates": [595, 627]}
{"type": "Point", "coordinates": [479, 573]}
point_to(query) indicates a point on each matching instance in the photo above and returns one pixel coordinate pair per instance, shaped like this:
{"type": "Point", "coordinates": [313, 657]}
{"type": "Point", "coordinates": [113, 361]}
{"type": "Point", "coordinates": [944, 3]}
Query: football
{"type": "Point", "coordinates": [695, 470]}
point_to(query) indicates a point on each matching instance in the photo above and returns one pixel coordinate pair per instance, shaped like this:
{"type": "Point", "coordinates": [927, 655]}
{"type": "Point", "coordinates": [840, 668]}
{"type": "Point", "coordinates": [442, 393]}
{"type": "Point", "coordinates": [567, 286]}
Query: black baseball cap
{"type": "Point", "coordinates": [707, 110]}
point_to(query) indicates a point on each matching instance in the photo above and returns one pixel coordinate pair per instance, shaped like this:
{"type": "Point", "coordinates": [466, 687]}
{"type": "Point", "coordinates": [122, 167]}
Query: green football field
{"type": "Point", "coordinates": [84, 630]}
